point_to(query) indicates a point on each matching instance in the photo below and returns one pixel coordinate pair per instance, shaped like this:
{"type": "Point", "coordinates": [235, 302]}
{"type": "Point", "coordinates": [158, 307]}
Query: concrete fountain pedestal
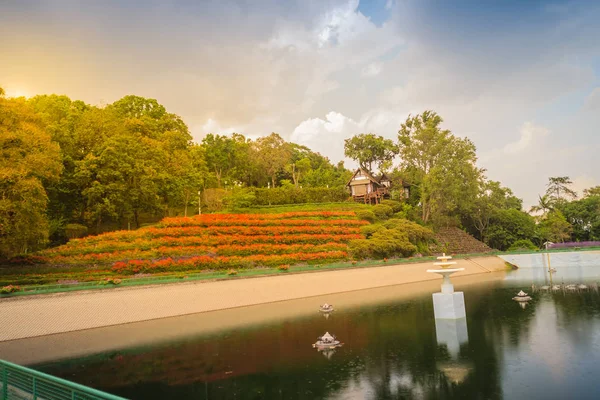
{"type": "Point", "coordinates": [447, 304]}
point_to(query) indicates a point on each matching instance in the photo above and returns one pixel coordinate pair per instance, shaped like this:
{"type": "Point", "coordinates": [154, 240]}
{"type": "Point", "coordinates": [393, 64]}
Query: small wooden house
{"type": "Point", "coordinates": [366, 188]}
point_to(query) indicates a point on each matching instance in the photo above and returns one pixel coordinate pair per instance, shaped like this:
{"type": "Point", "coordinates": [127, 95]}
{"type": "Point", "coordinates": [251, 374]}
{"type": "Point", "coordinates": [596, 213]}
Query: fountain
{"type": "Point", "coordinates": [326, 308]}
{"type": "Point", "coordinates": [447, 304]}
{"type": "Point", "coordinates": [327, 341]}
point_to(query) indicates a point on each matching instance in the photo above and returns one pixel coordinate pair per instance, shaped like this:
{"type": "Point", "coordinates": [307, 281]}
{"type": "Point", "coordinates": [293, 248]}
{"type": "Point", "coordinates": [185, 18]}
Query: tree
{"type": "Point", "coordinates": [558, 187]}
{"type": "Point", "coordinates": [492, 198]}
{"type": "Point", "coordinates": [508, 226]}
{"type": "Point", "coordinates": [555, 227]}
{"type": "Point", "coordinates": [442, 165]}
{"type": "Point", "coordinates": [592, 192]}
{"type": "Point", "coordinates": [224, 155]}
{"type": "Point", "coordinates": [545, 204]}
{"type": "Point", "coordinates": [584, 217]}
{"type": "Point", "coordinates": [297, 169]}
{"type": "Point", "coordinates": [28, 161]}
{"type": "Point", "coordinates": [272, 154]}
{"type": "Point", "coordinates": [368, 149]}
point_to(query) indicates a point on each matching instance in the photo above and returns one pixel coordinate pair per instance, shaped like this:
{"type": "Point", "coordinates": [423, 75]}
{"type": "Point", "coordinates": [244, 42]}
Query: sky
{"type": "Point", "coordinates": [521, 79]}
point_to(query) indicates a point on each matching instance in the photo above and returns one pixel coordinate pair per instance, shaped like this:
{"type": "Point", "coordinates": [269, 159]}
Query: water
{"type": "Point", "coordinates": [548, 350]}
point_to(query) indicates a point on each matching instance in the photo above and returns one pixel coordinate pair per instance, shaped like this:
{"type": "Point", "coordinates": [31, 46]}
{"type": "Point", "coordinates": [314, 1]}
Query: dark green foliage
{"type": "Point", "coordinates": [369, 230]}
{"type": "Point", "coordinates": [295, 195]}
{"type": "Point", "coordinates": [366, 215]}
{"type": "Point", "coordinates": [523, 244]}
{"type": "Point", "coordinates": [397, 206]}
{"type": "Point", "coordinates": [239, 198]}
{"type": "Point", "coordinates": [508, 226]}
{"type": "Point", "coordinates": [393, 238]}
{"type": "Point", "coordinates": [73, 231]}
{"type": "Point", "coordinates": [382, 211]}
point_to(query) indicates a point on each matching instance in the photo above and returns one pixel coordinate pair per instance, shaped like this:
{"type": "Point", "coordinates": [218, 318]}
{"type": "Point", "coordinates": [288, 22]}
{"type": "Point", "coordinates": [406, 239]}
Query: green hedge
{"type": "Point", "coordinates": [293, 195]}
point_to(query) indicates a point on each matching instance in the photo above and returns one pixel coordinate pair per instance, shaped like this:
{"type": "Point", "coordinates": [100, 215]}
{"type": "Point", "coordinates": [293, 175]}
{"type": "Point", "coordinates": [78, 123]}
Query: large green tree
{"type": "Point", "coordinates": [272, 155]}
{"type": "Point", "coordinates": [370, 150]}
{"type": "Point", "coordinates": [441, 164]}
{"type": "Point", "coordinates": [28, 161]}
{"type": "Point", "coordinates": [491, 198]}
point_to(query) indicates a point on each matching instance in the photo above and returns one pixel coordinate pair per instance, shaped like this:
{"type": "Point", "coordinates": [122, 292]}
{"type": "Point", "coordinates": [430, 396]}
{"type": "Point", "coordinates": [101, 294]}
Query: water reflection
{"type": "Point", "coordinates": [394, 349]}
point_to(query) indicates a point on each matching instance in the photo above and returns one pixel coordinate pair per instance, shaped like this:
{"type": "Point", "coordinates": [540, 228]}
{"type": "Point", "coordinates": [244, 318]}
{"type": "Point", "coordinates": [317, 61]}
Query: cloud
{"type": "Point", "coordinates": [530, 133]}
{"type": "Point", "coordinates": [593, 100]}
{"type": "Point", "coordinates": [372, 69]}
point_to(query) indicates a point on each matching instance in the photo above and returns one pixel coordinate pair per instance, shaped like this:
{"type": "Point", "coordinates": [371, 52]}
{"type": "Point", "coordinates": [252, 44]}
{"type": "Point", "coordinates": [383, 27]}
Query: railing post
{"type": "Point", "coordinates": [4, 382]}
{"type": "Point", "coordinates": [34, 389]}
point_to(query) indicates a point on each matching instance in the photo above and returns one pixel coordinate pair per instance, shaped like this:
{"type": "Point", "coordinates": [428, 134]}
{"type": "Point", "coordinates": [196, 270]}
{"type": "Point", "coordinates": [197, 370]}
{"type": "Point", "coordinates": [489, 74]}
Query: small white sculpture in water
{"type": "Point", "coordinates": [522, 296]}
{"type": "Point", "coordinates": [326, 308]}
{"type": "Point", "coordinates": [327, 341]}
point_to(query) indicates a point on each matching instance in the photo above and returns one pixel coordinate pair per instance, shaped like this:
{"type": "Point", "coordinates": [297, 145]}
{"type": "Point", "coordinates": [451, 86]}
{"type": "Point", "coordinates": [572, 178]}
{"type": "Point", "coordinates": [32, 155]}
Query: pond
{"type": "Point", "coordinates": [548, 350]}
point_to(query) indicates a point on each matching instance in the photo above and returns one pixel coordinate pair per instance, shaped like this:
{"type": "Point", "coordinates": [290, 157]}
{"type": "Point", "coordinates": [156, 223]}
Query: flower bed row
{"type": "Point", "coordinates": [179, 251]}
{"type": "Point", "coordinates": [154, 232]}
{"type": "Point", "coordinates": [242, 217]}
{"type": "Point", "coordinates": [176, 222]}
{"type": "Point", "coordinates": [220, 263]}
{"type": "Point", "coordinates": [209, 241]}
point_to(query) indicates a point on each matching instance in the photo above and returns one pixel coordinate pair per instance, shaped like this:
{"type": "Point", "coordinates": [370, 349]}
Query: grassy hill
{"type": "Point", "coordinates": [217, 241]}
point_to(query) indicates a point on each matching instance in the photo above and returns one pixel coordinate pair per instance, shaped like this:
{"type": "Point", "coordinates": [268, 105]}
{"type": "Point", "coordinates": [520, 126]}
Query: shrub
{"type": "Point", "coordinates": [369, 230]}
{"type": "Point", "coordinates": [415, 232]}
{"type": "Point", "coordinates": [295, 195]}
{"type": "Point", "coordinates": [523, 244]}
{"type": "Point", "coordinates": [383, 244]}
{"type": "Point", "coordinates": [366, 215]}
{"type": "Point", "coordinates": [382, 211]}
{"type": "Point", "coordinates": [75, 230]}
{"type": "Point", "coordinates": [396, 205]}
{"type": "Point", "coordinates": [9, 289]}
{"type": "Point", "coordinates": [284, 267]}
{"type": "Point", "coordinates": [231, 272]}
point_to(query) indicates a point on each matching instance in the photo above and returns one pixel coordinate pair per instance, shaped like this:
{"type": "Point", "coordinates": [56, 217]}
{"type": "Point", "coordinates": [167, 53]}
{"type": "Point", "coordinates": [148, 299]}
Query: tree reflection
{"type": "Point", "coordinates": [390, 352]}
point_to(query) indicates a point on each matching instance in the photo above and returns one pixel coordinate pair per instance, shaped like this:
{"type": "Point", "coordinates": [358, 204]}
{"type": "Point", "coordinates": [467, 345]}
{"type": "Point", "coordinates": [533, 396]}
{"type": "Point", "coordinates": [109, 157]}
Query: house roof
{"type": "Point", "coordinates": [384, 177]}
{"type": "Point", "coordinates": [365, 173]}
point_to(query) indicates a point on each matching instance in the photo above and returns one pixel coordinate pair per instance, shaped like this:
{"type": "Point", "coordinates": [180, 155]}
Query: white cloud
{"type": "Point", "coordinates": [530, 133]}
{"type": "Point", "coordinates": [372, 69]}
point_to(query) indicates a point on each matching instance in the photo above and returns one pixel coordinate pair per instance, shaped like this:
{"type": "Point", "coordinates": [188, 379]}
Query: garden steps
{"type": "Point", "coordinates": [457, 241]}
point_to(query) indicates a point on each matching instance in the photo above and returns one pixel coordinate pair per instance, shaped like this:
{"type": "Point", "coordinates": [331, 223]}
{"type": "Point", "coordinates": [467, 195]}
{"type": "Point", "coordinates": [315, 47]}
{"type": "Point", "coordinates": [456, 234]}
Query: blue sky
{"type": "Point", "coordinates": [519, 78]}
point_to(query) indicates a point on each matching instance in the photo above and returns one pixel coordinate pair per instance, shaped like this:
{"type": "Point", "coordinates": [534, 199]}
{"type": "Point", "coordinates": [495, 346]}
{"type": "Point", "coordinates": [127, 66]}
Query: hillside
{"type": "Point", "coordinates": [216, 241]}
{"type": "Point", "coordinates": [457, 241]}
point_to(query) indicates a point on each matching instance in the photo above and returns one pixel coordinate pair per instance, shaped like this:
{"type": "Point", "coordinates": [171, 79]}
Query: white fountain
{"type": "Point", "coordinates": [448, 304]}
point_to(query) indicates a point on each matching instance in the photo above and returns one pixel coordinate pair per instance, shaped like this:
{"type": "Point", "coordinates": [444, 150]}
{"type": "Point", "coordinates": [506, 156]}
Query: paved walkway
{"type": "Point", "coordinates": [25, 317]}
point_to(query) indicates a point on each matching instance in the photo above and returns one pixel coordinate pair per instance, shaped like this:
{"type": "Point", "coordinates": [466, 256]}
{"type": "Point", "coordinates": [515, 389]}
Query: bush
{"type": "Point", "coordinates": [369, 230]}
{"type": "Point", "coordinates": [366, 215]}
{"type": "Point", "coordinates": [415, 232]}
{"type": "Point", "coordinates": [296, 195]}
{"type": "Point", "coordinates": [382, 211]}
{"type": "Point", "coordinates": [232, 272]}
{"type": "Point", "coordinates": [383, 244]}
{"type": "Point", "coordinates": [239, 198]}
{"type": "Point", "coordinates": [9, 289]}
{"type": "Point", "coordinates": [284, 267]}
{"type": "Point", "coordinates": [396, 205]}
{"type": "Point", "coordinates": [75, 230]}
{"type": "Point", "coordinates": [523, 244]}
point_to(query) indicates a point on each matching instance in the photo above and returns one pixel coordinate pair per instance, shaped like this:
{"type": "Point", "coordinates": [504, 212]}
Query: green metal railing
{"type": "Point", "coordinates": [17, 382]}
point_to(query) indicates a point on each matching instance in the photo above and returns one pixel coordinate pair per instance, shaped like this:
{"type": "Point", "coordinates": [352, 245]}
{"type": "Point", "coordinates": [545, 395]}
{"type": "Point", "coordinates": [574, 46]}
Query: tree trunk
{"type": "Point", "coordinates": [136, 215]}
{"type": "Point", "coordinates": [273, 181]}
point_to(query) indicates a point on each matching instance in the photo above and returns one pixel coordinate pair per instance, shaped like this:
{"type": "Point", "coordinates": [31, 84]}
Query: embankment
{"type": "Point", "coordinates": [26, 317]}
